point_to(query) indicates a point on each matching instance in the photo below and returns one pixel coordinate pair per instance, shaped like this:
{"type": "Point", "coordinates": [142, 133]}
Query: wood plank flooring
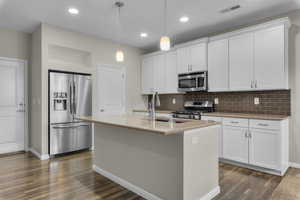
{"type": "Point", "coordinates": [24, 177]}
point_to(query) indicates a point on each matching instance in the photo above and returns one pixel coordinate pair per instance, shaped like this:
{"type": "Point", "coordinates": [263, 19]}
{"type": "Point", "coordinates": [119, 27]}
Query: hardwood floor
{"type": "Point", "coordinates": [24, 177]}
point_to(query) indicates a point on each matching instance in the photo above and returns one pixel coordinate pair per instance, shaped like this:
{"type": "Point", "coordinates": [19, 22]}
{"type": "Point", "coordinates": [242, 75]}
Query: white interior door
{"type": "Point", "coordinates": [12, 106]}
{"type": "Point", "coordinates": [110, 90]}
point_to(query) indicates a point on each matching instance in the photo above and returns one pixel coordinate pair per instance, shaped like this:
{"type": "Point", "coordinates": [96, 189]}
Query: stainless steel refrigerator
{"type": "Point", "coordinates": [70, 96]}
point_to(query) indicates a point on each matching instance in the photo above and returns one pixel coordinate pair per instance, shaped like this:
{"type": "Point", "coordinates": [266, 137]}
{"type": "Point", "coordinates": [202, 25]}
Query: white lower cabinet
{"type": "Point", "coordinates": [258, 144]}
{"type": "Point", "coordinates": [264, 148]}
{"type": "Point", "coordinates": [235, 144]}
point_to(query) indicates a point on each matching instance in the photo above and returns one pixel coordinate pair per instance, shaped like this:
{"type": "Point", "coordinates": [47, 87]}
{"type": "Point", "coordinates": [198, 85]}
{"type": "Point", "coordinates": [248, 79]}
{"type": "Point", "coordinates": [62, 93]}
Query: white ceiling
{"type": "Point", "coordinates": [98, 17]}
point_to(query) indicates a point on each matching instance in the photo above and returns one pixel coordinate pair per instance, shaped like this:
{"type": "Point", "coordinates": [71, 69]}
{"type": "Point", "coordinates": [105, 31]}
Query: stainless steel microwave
{"type": "Point", "coordinates": [192, 82]}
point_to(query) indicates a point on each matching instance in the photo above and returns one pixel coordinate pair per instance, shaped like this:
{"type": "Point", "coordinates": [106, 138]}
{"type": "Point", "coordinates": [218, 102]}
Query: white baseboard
{"type": "Point", "coordinates": [212, 194]}
{"type": "Point", "coordinates": [37, 154]}
{"type": "Point", "coordinates": [141, 192]}
{"type": "Point", "coordinates": [10, 148]}
{"type": "Point", "coordinates": [295, 165]}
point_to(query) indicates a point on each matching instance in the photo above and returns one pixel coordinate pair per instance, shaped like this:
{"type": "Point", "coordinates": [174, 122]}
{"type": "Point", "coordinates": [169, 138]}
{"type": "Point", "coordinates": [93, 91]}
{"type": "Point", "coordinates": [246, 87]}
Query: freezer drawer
{"type": "Point", "coordinates": [62, 139]}
{"type": "Point", "coordinates": [84, 136]}
{"type": "Point", "coordinates": [66, 138]}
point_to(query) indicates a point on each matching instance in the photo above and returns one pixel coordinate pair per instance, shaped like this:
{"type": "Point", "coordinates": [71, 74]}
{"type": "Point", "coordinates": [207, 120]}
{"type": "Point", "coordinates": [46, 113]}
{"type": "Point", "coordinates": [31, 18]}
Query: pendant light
{"type": "Point", "coordinates": [165, 41]}
{"type": "Point", "coordinates": [119, 52]}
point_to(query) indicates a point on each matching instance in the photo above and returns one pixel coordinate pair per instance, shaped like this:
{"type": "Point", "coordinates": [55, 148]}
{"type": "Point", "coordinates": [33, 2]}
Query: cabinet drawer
{"type": "Point", "coordinates": [264, 124]}
{"type": "Point", "coordinates": [216, 119]}
{"type": "Point", "coordinates": [235, 122]}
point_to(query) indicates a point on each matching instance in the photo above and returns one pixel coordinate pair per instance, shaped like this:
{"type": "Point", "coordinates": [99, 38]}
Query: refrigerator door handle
{"type": "Point", "coordinates": [74, 98]}
{"type": "Point", "coordinates": [70, 98]}
{"type": "Point", "coordinates": [64, 127]}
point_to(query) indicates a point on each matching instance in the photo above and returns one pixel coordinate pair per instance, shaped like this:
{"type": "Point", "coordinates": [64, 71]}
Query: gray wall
{"type": "Point", "coordinates": [295, 87]}
{"type": "Point", "coordinates": [36, 91]}
{"type": "Point", "coordinates": [100, 51]}
{"type": "Point", "coordinates": [14, 44]}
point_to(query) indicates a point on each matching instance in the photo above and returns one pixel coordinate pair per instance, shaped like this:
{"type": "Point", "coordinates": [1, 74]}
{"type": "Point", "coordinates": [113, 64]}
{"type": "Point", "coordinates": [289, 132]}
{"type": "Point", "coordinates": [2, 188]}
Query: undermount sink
{"type": "Point", "coordinates": [167, 120]}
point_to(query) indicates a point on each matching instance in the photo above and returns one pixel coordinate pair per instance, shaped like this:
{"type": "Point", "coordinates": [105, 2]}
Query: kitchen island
{"type": "Point", "coordinates": [157, 159]}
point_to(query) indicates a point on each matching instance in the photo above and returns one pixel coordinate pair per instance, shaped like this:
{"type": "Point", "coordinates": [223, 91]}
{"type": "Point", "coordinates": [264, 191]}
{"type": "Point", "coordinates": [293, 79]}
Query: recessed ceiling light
{"type": "Point", "coordinates": [144, 35]}
{"type": "Point", "coordinates": [184, 19]}
{"type": "Point", "coordinates": [73, 11]}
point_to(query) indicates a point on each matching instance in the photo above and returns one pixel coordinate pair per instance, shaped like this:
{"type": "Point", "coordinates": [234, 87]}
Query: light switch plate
{"type": "Point", "coordinates": [216, 101]}
{"type": "Point", "coordinates": [256, 101]}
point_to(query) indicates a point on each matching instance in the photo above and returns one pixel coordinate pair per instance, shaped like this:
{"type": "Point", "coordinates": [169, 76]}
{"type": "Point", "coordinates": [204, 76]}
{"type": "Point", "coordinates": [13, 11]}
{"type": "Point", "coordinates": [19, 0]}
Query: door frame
{"type": "Point", "coordinates": [113, 67]}
{"type": "Point", "coordinates": [26, 101]}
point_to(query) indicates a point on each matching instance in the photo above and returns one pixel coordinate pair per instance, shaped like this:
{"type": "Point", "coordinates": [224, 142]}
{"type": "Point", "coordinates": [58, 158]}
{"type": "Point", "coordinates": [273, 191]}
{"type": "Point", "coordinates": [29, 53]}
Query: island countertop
{"type": "Point", "coordinates": [144, 123]}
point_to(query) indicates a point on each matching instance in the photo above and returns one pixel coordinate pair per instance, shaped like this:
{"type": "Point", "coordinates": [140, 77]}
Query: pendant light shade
{"type": "Point", "coordinates": [119, 53]}
{"type": "Point", "coordinates": [119, 56]}
{"type": "Point", "coordinates": [165, 43]}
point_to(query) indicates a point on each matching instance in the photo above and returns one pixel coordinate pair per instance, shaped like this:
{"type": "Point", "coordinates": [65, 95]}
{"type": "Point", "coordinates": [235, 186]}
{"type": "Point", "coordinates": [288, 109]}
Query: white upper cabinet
{"type": "Point", "coordinates": [147, 75]}
{"type": "Point", "coordinates": [257, 58]}
{"type": "Point", "coordinates": [269, 58]}
{"type": "Point", "coordinates": [218, 68]}
{"type": "Point", "coordinates": [171, 72]}
{"type": "Point", "coordinates": [241, 62]}
{"type": "Point", "coordinates": [159, 73]}
{"type": "Point", "coordinates": [198, 57]}
{"type": "Point", "coordinates": [192, 58]}
{"type": "Point", "coordinates": [183, 55]}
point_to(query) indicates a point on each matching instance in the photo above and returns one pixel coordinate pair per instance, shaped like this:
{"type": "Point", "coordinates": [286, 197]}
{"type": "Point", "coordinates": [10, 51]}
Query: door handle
{"type": "Point", "coordinates": [65, 127]}
{"type": "Point", "coordinates": [74, 97]}
{"type": "Point", "coordinates": [102, 110]}
{"type": "Point", "coordinates": [71, 99]}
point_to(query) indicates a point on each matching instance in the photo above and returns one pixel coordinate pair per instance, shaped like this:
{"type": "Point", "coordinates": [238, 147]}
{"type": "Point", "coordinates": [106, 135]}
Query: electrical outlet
{"type": "Point", "coordinates": [216, 101]}
{"type": "Point", "coordinates": [256, 101]}
{"type": "Point", "coordinates": [195, 140]}
{"type": "Point", "coordinates": [174, 101]}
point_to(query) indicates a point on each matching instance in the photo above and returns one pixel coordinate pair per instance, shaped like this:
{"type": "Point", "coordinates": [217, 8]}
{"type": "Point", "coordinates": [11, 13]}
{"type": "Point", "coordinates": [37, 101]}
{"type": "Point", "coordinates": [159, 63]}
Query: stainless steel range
{"type": "Point", "coordinates": [70, 96]}
{"type": "Point", "coordinates": [194, 109]}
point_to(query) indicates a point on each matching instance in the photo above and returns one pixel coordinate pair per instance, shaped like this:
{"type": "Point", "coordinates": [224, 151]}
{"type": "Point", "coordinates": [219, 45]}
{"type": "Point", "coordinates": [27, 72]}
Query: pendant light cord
{"type": "Point", "coordinates": [119, 5]}
{"type": "Point", "coordinates": [165, 17]}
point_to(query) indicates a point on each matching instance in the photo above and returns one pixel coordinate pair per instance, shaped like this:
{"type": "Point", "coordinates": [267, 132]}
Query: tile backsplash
{"type": "Point", "coordinates": [270, 102]}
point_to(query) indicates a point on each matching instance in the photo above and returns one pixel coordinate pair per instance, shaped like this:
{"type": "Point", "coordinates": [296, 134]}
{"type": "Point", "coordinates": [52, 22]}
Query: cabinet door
{"type": "Point", "coordinates": [159, 73]}
{"type": "Point", "coordinates": [171, 72]}
{"type": "Point", "coordinates": [235, 144]}
{"type": "Point", "coordinates": [147, 75]}
{"type": "Point", "coordinates": [198, 57]}
{"type": "Point", "coordinates": [264, 148]}
{"type": "Point", "coordinates": [241, 62]}
{"type": "Point", "coordinates": [218, 69]}
{"type": "Point", "coordinates": [269, 59]}
{"type": "Point", "coordinates": [183, 59]}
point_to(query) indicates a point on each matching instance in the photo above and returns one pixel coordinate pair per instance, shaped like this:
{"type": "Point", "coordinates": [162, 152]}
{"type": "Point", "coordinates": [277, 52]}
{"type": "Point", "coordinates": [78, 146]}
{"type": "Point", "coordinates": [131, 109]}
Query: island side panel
{"type": "Point", "coordinates": [201, 169]}
{"type": "Point", "coordinates": [147, 160]}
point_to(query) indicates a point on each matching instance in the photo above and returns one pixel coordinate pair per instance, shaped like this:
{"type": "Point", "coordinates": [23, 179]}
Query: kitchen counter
{"type": "Point", "coordinates": [138, 122]}
{"type": "Point", "coordinates": [247, 115]}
